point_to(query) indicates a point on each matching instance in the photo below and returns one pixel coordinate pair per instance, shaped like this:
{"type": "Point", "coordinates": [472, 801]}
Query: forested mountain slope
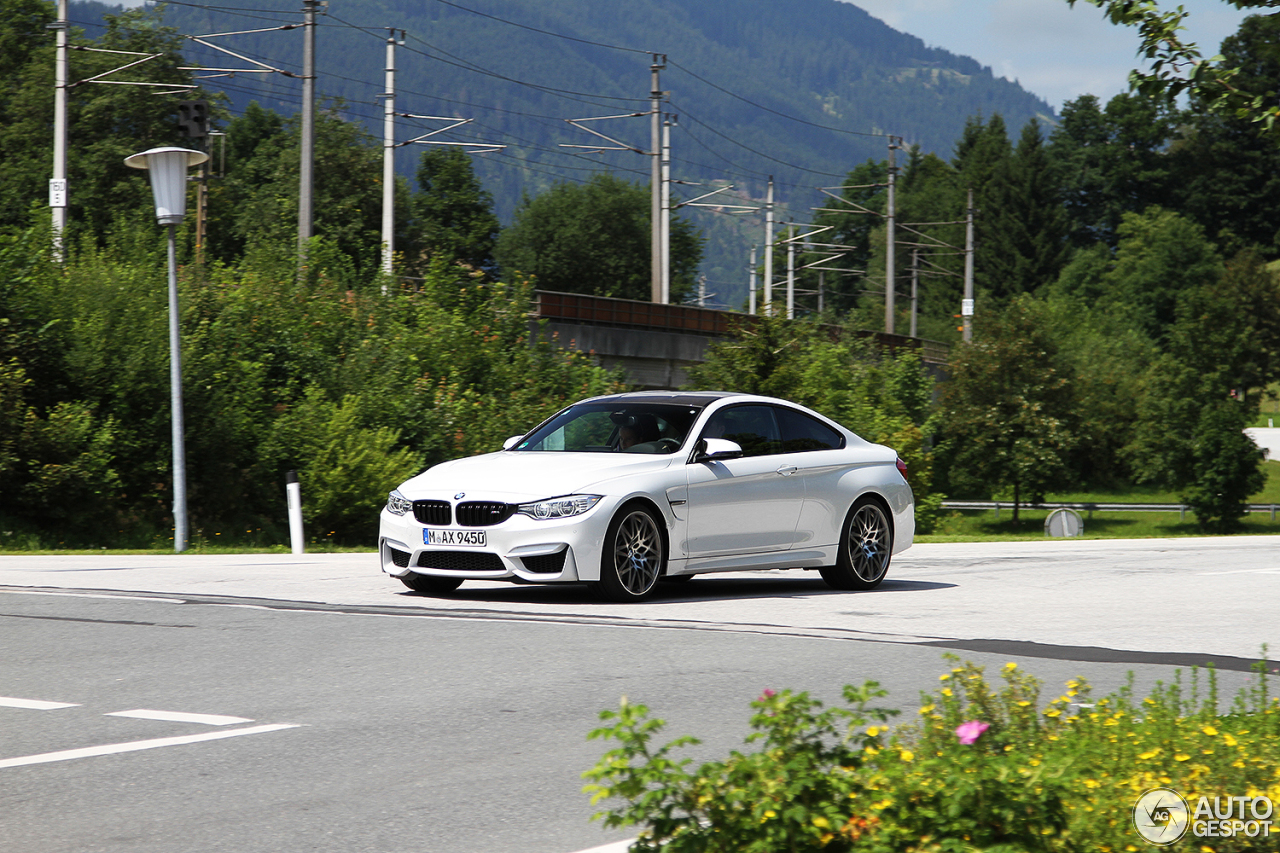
{"type": "Point", "coordinates": [803, 90]}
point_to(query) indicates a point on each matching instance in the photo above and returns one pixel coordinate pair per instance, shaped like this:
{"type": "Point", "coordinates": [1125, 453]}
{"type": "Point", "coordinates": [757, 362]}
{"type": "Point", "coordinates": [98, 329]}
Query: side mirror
{"type": "Point", "coordinates": [717, 449]}
{"type": "Point", "coordinates": [511, 442]}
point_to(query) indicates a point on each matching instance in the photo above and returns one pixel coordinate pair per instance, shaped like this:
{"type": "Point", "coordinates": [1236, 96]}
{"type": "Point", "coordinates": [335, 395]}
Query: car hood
{"type": "Point", "coordinates": [514, 476]}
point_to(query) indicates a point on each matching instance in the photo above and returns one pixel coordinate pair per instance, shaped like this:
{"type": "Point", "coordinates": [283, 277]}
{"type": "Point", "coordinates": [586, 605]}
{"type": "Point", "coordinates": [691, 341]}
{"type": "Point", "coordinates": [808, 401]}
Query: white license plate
{"type": "Point", "coordinates": [463, 538]}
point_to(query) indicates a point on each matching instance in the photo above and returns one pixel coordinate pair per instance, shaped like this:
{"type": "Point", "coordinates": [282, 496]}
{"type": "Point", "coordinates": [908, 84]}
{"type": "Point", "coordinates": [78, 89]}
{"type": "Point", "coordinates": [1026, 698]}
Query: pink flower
{"type": "Point", "coordinates": [767, 694]}
{"type": "Point", "coordinates": [970, 732]}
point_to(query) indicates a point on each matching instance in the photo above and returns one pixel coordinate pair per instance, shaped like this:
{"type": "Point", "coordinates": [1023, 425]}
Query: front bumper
{"type": "Point", "coordinates": [518, 549]}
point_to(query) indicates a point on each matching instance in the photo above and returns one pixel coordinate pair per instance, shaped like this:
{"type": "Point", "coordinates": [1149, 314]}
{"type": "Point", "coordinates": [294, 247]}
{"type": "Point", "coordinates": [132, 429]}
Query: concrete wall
{"type": "Point", "coordinates": [652, 359]}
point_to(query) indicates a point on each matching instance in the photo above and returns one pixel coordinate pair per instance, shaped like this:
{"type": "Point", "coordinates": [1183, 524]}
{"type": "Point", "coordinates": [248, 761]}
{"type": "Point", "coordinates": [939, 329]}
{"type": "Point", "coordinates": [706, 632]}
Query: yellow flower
{"type": "Point", "coordinates": [1053, 712]}
{"type": "Point", "coordinates": [1209, 730]}
{"type": "Point", "coordinates": [1180, 756]}
{"type": "Point", "coordinates": [873, 730]}
{"type": "Point", "coordinates": [1229, 740]}
{"type": "Point", "coordinates": [1023, 703]}
{"type": "Point", "coordinates": [821, 822]}
{"type": "Point", "coordinates": [906, 755]}
{"type": "Point", "coordinates": [770, 814]}
{"type": "Point", "coordinates": [946, 691]}
{"type": "Point", "coordinates": [926, 709]}
{"type": "Point", "coordinates": [944, 677]}
{"type": "Point", "coordinates": [1152, 754]}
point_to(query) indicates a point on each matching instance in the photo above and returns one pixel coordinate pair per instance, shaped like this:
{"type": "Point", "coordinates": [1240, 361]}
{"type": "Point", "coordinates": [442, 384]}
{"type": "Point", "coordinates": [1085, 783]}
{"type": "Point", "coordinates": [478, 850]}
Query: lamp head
{"type": "Point", "coordinates": [168, 168]}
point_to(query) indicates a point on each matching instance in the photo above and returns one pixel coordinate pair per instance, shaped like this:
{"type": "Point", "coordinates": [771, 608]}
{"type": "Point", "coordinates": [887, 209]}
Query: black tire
{"type": "Point", "coordinates": [634, 556]}
{"type": "Point", "coordinates": [430, 584]}
{"type": "Point", "coordinates": [866, 545]}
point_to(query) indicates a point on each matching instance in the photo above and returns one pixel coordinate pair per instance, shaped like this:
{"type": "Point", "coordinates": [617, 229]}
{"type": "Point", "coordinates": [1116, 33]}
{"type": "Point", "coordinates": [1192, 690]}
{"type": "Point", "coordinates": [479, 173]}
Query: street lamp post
{"type": "Point", "coordinates": [168, 169]}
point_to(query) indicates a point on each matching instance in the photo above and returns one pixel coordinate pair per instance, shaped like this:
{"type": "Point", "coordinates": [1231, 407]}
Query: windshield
{"type": "Point", "coordinates": [614, 427]}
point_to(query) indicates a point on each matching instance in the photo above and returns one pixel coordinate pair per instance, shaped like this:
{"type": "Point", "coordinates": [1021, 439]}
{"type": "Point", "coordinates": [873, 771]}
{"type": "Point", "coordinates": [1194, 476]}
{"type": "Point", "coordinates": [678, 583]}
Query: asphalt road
{"type": "Point", "coordinates": [280, 703]}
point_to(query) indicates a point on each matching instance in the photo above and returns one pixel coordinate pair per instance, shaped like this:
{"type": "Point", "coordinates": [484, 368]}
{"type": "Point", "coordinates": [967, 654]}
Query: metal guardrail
{"type": "Point", "coordinates": [1181, 509]}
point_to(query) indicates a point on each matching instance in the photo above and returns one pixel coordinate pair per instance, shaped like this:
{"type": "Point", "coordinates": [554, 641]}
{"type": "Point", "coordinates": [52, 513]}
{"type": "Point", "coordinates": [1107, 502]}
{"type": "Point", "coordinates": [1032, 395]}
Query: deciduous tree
{"type": "Point", "coordinates": [595, 238]}
{"type": "Point", "coordinates": [1007, 410]}
{"type": "Point", "coordinates": [1222, 351]}
{"type": "Point", "coordinates": [452, 214]}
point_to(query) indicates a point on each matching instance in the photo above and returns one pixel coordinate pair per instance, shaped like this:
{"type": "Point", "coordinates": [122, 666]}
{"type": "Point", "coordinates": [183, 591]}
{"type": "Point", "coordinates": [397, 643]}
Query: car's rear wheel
{"type": "Point", "coordinates": [634, 556]}
{"type": "Point", "coordinates": [866, 544]}
{"type": "Point", "coordinates": [430, 584]}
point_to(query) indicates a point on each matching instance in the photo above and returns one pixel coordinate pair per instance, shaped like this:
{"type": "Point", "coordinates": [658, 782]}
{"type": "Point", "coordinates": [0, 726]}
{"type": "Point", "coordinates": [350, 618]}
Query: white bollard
{"type": "Point", "coordinates": [294, 493]}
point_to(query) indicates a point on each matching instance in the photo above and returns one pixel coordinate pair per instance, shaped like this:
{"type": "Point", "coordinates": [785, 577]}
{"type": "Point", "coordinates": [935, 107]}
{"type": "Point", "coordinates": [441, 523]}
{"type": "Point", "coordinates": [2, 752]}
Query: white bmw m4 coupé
{"type": "Point", "coordinates": [624, 491]}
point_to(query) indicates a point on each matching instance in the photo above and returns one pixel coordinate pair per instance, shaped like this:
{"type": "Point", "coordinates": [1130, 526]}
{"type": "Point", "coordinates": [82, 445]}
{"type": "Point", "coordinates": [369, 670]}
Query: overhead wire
{"type": "Point", "coordinates": [760, 106]}
{"type": "Point", "coordinates": [467, 65]}
{"type": "Point", "coordinates": [544, 32]}
{"type": "Point", "coordinates": [743, 145]}
{"type": "Point", "coordinates": [362, 108]}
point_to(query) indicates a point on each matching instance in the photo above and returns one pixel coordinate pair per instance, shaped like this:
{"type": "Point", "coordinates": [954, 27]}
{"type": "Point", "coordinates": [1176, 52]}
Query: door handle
{"type": "Point", "coordinates": [787, 470]}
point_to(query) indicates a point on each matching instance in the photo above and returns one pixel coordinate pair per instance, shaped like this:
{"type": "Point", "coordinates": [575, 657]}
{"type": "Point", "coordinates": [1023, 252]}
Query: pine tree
{"type": "Point", "coordinates": [1024, 228]}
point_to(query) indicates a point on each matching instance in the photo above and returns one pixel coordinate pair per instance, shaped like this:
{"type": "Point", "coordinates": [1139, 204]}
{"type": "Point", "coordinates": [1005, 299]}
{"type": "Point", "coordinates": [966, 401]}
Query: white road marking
{"type": "Point", "coordinates": [34, 704]}
{"type": "Point", "coordinates": [179, 717]}
{"type": "Point", "coordinates": [615, 847]}
{"type": "Point", "coordinates": [135, 746]}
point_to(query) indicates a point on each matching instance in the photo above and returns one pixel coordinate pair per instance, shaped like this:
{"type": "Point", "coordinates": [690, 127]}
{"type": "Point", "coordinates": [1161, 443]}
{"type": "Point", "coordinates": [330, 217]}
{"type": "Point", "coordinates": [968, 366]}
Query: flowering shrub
{"type": "Point", "coordinates": [981, 768]}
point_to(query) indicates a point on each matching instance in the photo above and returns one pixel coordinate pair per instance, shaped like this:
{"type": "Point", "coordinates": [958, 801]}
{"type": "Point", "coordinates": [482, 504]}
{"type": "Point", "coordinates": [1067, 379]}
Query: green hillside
{"type": "Point", "coordinates": [803, 90]}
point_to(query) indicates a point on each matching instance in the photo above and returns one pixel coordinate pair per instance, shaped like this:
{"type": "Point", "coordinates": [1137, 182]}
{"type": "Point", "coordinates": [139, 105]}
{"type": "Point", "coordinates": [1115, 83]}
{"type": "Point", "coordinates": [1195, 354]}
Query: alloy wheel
{"type": "Point", "coordinates": [637, 552]}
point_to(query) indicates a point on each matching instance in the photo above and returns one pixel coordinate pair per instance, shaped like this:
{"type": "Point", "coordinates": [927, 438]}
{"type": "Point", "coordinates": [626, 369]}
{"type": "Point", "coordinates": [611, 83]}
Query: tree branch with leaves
{"type": "Point", "coordinates": [1178, 66]}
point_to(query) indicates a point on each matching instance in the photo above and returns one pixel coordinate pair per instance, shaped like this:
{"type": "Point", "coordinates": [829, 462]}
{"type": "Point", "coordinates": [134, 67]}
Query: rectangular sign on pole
{"type": "Point", "coordinates": [966, 307]}
{"type": "Point", "coordinates": [58, 192]}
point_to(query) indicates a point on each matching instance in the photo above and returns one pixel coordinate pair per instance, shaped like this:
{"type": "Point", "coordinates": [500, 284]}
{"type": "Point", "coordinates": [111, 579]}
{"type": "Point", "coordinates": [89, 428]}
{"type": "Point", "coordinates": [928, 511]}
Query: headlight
{"type": "Point", "coordinates": [564, 507]}
{"type": "Point", "coordinates": [398, 504]}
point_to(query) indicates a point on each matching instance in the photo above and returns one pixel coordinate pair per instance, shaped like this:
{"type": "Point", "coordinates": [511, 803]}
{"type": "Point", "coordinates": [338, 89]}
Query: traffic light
{"type": "Point", "coordinates": [193, 118]}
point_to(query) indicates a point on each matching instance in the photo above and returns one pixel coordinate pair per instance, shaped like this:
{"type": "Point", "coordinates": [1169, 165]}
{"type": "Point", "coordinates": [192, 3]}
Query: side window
{"type": "Point", "coordinates": [753, 428]}
{"type": "Point", "coordinates": [801, 432]}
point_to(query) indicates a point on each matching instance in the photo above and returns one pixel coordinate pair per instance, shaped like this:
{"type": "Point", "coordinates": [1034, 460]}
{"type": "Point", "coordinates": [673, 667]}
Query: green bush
{"type": "Point", "coordinates": [982, 768]}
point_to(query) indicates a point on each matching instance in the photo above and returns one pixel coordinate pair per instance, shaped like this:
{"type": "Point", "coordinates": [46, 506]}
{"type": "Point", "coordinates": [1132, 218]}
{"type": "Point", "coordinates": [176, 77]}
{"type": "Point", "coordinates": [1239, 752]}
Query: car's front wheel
{"type": "Point", "coordinates": [866, 544]}
{"type": "Point", "coordinates": [634, 556]}
{"type": "Point", "coordinates": [430, 584]}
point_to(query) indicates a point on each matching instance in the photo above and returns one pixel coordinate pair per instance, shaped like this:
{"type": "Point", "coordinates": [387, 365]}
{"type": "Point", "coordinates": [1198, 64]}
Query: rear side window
{"type": "Point", "coordinates": [752, 427]}
{"type": "Point", "coordinates": [801, 432]}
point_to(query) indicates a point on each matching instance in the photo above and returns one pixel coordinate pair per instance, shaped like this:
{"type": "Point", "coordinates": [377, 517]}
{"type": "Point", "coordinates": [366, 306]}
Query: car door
{"type": "Point", "coordinates": [814, 449]}
{"type": "Point", "coordinates": [749, 505]}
